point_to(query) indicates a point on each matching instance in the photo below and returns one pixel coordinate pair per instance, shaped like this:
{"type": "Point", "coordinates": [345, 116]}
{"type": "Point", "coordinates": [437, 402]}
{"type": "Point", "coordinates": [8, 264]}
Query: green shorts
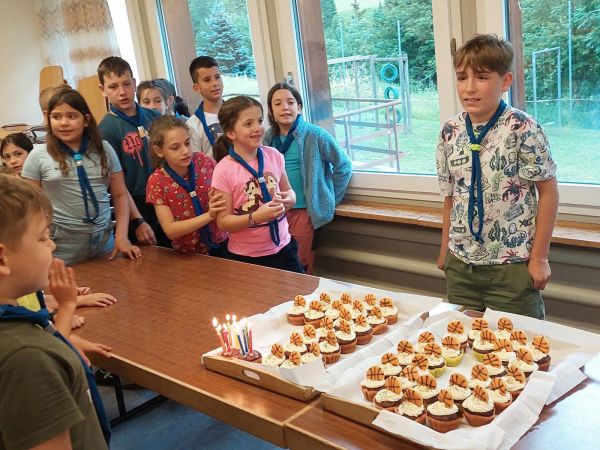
{"type": "Point", "coordinates": [503, 287]}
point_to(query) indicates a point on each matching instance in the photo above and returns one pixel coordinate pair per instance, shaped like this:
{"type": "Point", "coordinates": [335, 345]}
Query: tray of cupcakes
{"type": "Point", "coordinates": [299, 348]}
{"type": "Point", "coordinates": [454, 383]}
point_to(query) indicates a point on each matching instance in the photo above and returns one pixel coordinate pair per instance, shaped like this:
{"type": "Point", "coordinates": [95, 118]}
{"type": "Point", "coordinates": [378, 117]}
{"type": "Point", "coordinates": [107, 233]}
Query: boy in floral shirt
{"type": "Point", "coordinates": [491, 160]}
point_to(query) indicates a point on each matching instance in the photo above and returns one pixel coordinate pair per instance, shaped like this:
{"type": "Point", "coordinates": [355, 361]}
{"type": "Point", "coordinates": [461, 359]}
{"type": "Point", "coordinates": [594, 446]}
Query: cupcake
{"type": "Point", "coordinates": [332, 312]}
{"type": "Point", "coordinates": [370, 300]}
{"type": "Point", "coordinates": [499, 395]}
{"type": "Point", "coordinates": [314, 313]}
{"type": "Point", "coordinates": [390, 312]}
{"type": "Point", "coordinates": [421, 363]}
{"type": "Point", "coordinates": [443, 415]}
{"type": "Point", "coordinates": [518, 339]}
{"type": "Point", "coordinates": [294, 359]}
{"type": "Point", "coordinates": [479, 377]}
{"type": "Point", "coordinates": [346, 337]}
{"type": "Point", "coordinates": [405, 352]}
{"type": "Point", "coordinates": [364, 332]}
{"type": "Point", "coordinates": [484, 344]}
{"type": "Point", "coordinates": [408, 377]}
{"type": "Point", "coordinates": [346, 315]}
{"type": "Point", "coordinates": [358, 309]}
{"type": "Point", "coordinates": [377, 321]}
{"type": "Point", "coordinates": [515, 381]}
{"type": "Point", "coordinates": [505, 327]}
{"type": "Point", "coordinates": [458, 388]}
{"type": "Point", "coordinates": [313, 353]}
{"type": "Point", "coordinates": [325, 325]}
{"type": "Point", "coordinates": [457, 329]}
{"type": "Point", "coordinates": [424, 338]}
{"type": "Point", "coordinates": [478, 409]}
{"type": "Point", "coordinates": [494, 366]}
{"type": "Point", "coordinates": [276, 357]}
{"type": "Point", "coordinates": [436, 364]}
{"type": "Point", "coordinates": [330, 349]}
{"type": "Point", "coordinates": [373, 383]}
{"type": "Point", "coordinates": [295, 315]}
{"type": "Point", "coordinates": [390, 364]}
{"type": "Point", "coordinates": [390, 396]}
{"type": "Point", "coordinates": [296, 344]}
{"type": "Point", "coordinates": [478, 325]}
{"type": "Point", "coordinates": [346, 298]}
{"type": "Point", "coordinates": [427, 387]}
{"type": "Point", "coordinates": [412, 406]}
{"type": "Point", "coordinates": [504, 349]}
{"type": "Point", "coordinates": [452, 351]}
{"type": "Point", "coordinates": [540, 349]}
{"type": "Point", "coordinates": [309, 334]}
{"type": "Point", "coordinates": [524, 361]}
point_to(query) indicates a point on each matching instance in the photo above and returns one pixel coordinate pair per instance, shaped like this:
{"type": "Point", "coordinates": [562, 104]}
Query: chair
{"type": "Point", "coordinates": [50, 76]}
{"type": "Point", "coordinates": [88, 88]}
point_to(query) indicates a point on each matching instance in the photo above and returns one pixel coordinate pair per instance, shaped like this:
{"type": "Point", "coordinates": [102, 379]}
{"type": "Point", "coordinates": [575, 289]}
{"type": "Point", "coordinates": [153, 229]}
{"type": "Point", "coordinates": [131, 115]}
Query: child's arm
{"type": "Point", "coordinates": [64, 289]}
{"type": "Point", "coordinates": [143, 232]}
{"type": "Point", "coordinates": [441, 261]}
{"type": "Point", "coordinates": [286, 193]}
{"type": "Point", "coordinates": [174, 229]}
{"type": "Point", "coordinates": [86, 348]}
{"type": "Point", "coordinates": [538, 265]}
{"type": "Point", "coordinates": [62, 441]}
{"type": "Point", "coordinates": [227, 221]}
{"type": "Point", "coordinates": [340, 164]}
{"type": "Point", "coordinates": [118, 191]}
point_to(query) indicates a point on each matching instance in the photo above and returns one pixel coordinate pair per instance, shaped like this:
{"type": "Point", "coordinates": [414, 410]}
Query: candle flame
{"type": "Point", "coordinates": [214, 322]}
{"type": "Point", "coordinates": [227, 317]}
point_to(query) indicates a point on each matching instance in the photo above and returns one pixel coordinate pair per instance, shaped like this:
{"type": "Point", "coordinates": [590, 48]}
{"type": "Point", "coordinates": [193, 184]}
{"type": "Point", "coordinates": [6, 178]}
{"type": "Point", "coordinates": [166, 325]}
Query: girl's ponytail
{"type": "Point", "coordinates": [221, 148]}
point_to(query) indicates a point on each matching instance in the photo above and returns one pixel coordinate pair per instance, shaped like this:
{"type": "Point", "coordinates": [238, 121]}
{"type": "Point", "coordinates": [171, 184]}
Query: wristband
{"type": "Point", "coordinates": [137, 222]}
{"type": "Point", "coordinates": [539, 260]}
{"type": "Point", "coordinates": [251, 220]}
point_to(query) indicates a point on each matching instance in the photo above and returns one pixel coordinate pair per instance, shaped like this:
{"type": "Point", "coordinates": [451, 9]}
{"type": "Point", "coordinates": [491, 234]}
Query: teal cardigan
{"type": "Point", "coordinates": [325, 169]}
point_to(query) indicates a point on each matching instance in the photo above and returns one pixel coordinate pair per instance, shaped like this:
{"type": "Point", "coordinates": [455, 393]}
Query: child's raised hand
{"type": "Point", "coordinates": [96, 299]}
{"type": "Point", "coordinates": [62, 284]}
{"type": "Point", "coordinates": [216, 203]}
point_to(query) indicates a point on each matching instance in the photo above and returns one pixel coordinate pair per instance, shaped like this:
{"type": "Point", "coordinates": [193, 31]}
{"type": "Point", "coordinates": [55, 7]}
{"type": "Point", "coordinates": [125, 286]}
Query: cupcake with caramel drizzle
{"type": "Point", "coordinates": [295, 344]}
{"type": "Point", "coordinates": [515, 381]}
{"type": "Point", "coordinates": [524, 361]}
{"type": "Point", "coordinates": [428, 388]}
{"type": "Point", "coordinates": [484, 344]}
{"type": "Point", "coordinates": [459, 388]}
{"type": "Point", "coordinates": [504, 349]}
{"type": "Point", "coordinates": [443, 415]}
{"type": "Point", "coordinates": [518, 339]}
{"type": "Point", "coordinates": [456, 329]}
{"type": "Point", "coordinates": [373, 382]}
{"type": "Point", "coordinates": [309, 334]}
{"type": "Point", "coordinates": [326, 324]}
{"type": "Point", "coordinates": [390, 396]}
{"type": "Point", "coordinates": [389, 310]}
{"type": "Point", "coordinates": [313, 353]}
{"type": "Point", "coordinates": [346, 336]}
{"type": "Point", "coordinates": [436, 364]}
{"type": "Point", "coordinates": [408, 377]}
{"type": "Point", "coordinates": [452, 351]}
{"type": "Point", "coordinates": [406, 352]}
{"type": "Point", "coordinates": [293, 360]}
{"type": "Point", "coordinates": [276, 357]}
{"type": "Point", "coordinates": [478, 409]}
{"type": "Point", "coordinates": [421, 363]}
{"type": "Point", "coordinates": [390, 364]}
{"type": "Point", "coordinates": [424, 338]}
{"type": "Point", "coordinates": [505, 327]}
{"type": "Point", "coordinates": [540, 350]}
{"type": "Point", "coordinates": [334, 311]}
{"type": "Point", "coordinates": [364, 332]}
{"type": "Point", "coordinates": [479, 377]}
{"type": "Point", "coordinates": [377, 321]}
{"type": "Point", "coordinates": [478, 325]}
{"type": "Point", "coordinates": [412, 406]}
{"type": "Point", "coordinates": [315, 312]}
{"type": "Point", "coordinates": [500, 395]}
{"type": "Point", "coordinates": [494, 366]}
{"type": "Point", "coordinates": [330, 349]}
{"type": "Point", "coordinates": [295, 314]}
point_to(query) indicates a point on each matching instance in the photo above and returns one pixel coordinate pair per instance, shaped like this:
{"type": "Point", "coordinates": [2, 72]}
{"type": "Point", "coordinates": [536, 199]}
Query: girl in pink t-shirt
{"type": "Point", "coordinates": [257, 193]}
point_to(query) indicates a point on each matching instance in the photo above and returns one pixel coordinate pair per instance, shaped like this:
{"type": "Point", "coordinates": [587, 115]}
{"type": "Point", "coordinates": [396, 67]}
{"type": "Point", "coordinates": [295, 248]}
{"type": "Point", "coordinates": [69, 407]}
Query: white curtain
{"type": "Point", "coordinates": [77, 35]}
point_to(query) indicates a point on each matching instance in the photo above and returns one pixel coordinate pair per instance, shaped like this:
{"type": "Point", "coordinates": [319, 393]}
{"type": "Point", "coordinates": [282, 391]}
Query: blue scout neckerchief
{"type": "Point", "coordinates": [260, 177]}
{"type": "Point", "coordinates": [199, 113]}
{"type": "Point", "coordinates": [190, 188]}
{"type": "Point", "coordinates": [476, 171]}
{"type": "Point", "coordinates": [284, 146]}
{"type": "Point", "coordinates": [136, 121]}
{"type": "Point", "coordinates": [84, 182]}
{"type": "Point", "coordinates": [42, 318]}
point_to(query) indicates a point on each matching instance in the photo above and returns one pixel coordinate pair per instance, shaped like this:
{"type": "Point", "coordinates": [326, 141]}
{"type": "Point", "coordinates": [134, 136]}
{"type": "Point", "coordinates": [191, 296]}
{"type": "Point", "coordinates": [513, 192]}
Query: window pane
{"type": "Point", "coordinates": [561, 44]}
{"type": "Point", "coordinates": [383, 82]}
{"type": "Point", "coordinates": [221, 30]}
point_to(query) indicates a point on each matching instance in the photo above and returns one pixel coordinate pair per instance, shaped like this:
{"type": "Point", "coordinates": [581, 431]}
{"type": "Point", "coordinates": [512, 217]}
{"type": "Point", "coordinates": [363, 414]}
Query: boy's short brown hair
{"type": "Point", "coordinates": [19, 201]}
{"type": "Point", "coordinates": [485, 52]}
{"type": "Point", "coordinates": [113, 64]}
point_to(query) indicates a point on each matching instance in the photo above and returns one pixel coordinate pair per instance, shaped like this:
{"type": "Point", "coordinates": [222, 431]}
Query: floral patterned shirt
{"type": "Point", "coordinates": [514, 155]}
{"type": "Point", "coordinates": [163, 190]}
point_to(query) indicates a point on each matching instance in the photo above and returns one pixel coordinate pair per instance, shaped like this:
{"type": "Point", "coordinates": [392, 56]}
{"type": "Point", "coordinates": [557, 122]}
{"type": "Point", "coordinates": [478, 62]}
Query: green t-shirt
{"type": "Point", "coordinates": [43, 391]}
{"type": "Point", "coordinates": [294, 173]}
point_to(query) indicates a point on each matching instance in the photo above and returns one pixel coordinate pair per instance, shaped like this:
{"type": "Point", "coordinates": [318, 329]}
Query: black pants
{"type": "Point", "coordinates": [285, 259]}
{"type": "Point", "coordinates": [220, 250]}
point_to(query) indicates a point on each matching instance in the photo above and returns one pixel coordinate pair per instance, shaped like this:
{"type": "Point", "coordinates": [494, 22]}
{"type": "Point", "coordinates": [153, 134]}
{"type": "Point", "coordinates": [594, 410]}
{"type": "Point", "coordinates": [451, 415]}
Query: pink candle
{"type": "Point", "coordinates": [249, 338]}
{"type": "Point", "coordinates": [218, 330]}
{"type": "Point", "coordinates": [226, 338]}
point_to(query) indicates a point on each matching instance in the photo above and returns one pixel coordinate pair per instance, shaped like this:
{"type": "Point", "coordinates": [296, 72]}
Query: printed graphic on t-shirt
{"type": "Point", "coordinates": [215, 130]}
{"type": "Point", "coordinates": [132, 145]}
{"type": "Point", "coordinates": [253, 194]}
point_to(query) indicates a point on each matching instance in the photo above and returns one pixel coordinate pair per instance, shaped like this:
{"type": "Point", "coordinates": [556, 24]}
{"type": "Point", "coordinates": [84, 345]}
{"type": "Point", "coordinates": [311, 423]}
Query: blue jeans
{"type": "Point", "coordinates": [74, 247]}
